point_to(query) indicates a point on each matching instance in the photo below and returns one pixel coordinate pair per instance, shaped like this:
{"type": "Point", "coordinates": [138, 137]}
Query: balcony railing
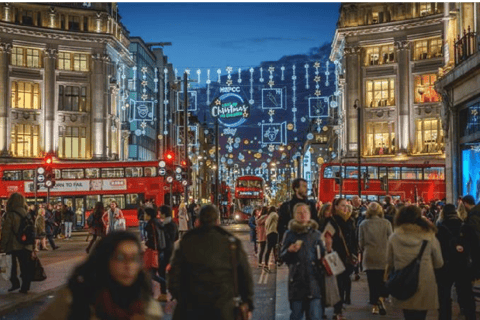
{"type": "Point", "coordinates": [465, 46]}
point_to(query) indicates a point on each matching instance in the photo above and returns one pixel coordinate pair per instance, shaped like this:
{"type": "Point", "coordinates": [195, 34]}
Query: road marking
{"type": "Point", "coordinates": [266, 278]}
{"type": "Point", "coordinates": [261, 277]}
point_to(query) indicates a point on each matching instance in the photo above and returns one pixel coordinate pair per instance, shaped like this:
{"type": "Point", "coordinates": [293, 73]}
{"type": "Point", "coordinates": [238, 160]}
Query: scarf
{"type": "Point", "coordinates": [345, 216]}
{"type": "Point", "coordinates": [107, 308]}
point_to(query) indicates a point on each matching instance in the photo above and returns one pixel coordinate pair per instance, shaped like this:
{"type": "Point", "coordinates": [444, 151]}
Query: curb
{"type": "Point", "coordinates": [282, 305]}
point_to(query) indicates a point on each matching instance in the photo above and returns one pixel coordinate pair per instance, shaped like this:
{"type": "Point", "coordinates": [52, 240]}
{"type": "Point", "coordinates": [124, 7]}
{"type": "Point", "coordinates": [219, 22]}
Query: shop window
{"type": "Point", "coordinates": [25, 95]}
{"type": "Point", "coordinates": [428, 48]}
{"type": "Point", "coordinates": [24, 140]}
{"type": "Point", "coordinates": [72, 142]}
{"type": "Point", "coordinates": [380, 138]}
{"type": "Point", "coordinates": [425, 90]}
{"type": "Point", "coordinates": [379, 55]}
{"type": "Point", "coordinates": [470, 119]}
{"type": "Point", "coordinates": [429, 136]}
{"type": "Point", "coordinates": [380, 93]}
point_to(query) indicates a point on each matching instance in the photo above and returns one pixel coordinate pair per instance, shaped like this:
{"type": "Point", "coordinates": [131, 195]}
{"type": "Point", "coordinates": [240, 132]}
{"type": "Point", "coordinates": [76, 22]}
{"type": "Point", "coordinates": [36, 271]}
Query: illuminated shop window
{"type": "Point", "coordinates": [72, 98]}
{"type": "Point", "coordinates": [429, 136]}
{"type": "Point", "coordinates": [428, 48]}
{"type": "Point", "coordinates": [380, 93]}
{"type": "Point", "coordinates": [380, 138]}
{"type": "Point", "coordinates": [26, 57]}
{"type": "Point", "coordinates": [379, 55]}
{"type": "Point", "coordinates": [73, 61]}
{"type": "Point", "coordinates": [470, 119]}
{"type": "Point", "coordinates": [424, 88]}
{"type": "Point", "coordinates": [24, 140]}
{"type": "Point", "coordinates": [72, 142]}
{"type": "Point", "coordinates": [25, 95]}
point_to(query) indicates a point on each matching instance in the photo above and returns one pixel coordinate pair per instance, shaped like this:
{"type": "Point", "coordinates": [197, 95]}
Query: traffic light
{"type": "Point", "coordinates": [39, 178]}
{"type": "Point", "coordinates": [366, 180]}
{"type": "Point", "coordinates": [169, 157]}
{"type": "Point", "coordinates": [49, 172]}
{"type": "Point", "coordinates": [384, 183]}
{"type": "Point", "coordinates": [337, 177]}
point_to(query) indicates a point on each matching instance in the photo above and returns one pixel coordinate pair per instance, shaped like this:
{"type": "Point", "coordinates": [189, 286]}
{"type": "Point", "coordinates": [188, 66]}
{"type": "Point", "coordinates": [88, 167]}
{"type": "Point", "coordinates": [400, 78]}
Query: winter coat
{"type": "Point", "coordinates": [183, 219]}
{"type": "Point", "coordinates": [40, 226]}
{"type": "Point", "coordinates": [11, 224]}
{"type": "Point", "coordinates": [304, 275]}
{"type": "Point", "coordinates": [285, 213]}
{"type": "Point", "coordinates": [373, 237]}
{"type": "Point", "coordinates": [349, 234]}
{"type": "Point", "coordinates": [271, 223]}
{"type": "Point", "coordinates": [261, 231]}
{"type": "Point", "coordinates": [68, 215]}
{"type": "Point", "coordinates": [59, 308]}
{"type": "Point", "coordinates": [473, 219]}
{"type": "Point", "coordinates": [49, 222]}
{"type": "Point", "coordinates": [171, 234]}
{"type": "Point", "coordinates": [403, 247]}
{"type": "Point", "coordinates": [201, 275]}
{"type": "Point", "coordinates": [253, 229]}
{"type": "Point", "coordinates": [154, 237]}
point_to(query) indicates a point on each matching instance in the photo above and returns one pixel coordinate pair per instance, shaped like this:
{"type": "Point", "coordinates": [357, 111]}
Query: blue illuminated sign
{"type": "Point", "coordinates": [230, 109]}
{"type": "Point", "coordinates": [471, 173]}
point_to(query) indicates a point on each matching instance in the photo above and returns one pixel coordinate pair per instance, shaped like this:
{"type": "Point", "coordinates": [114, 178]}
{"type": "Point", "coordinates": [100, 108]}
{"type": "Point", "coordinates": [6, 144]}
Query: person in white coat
{"type": "Point", "coordinates": [182, 219]}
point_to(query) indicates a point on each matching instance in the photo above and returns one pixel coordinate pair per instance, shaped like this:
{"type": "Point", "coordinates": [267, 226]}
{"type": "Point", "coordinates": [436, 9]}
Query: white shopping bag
{"type": "Point", "coordinates": [333, 264]}
{"type": "Point", "coordinates": [120, 224]}
{"type": "Point", "coordinates": [5, 265]}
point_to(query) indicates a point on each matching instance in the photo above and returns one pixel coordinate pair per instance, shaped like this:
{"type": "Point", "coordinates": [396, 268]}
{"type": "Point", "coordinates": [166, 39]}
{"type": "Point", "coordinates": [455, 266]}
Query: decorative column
{"type": "Point", "coordinates": [5, 50]}
{"type": "Point", "coordinates": [99, 106]}
{"type": "Point", "coordinates": [352, 93]}
{"type": "Point", "coordinates": [403, 99]}
{"type": "Point", "coordinates": [50, 58]}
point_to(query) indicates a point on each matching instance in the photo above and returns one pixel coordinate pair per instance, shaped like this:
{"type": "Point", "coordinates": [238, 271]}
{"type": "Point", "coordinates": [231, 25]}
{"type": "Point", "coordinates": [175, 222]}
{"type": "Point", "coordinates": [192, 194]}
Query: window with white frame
{"type": "Point", "coordinates": [380, 138]}
{"type": "Point", "coordinates": [72, 142]}
{"type": "Point", "coordinates": [24, 140]}
{"type": "Point", "coordinates": [380, 93]}
{"type": "Point", "coordinates": [429, 135]}
{"type": "Point", "coordinates": [25, 95]}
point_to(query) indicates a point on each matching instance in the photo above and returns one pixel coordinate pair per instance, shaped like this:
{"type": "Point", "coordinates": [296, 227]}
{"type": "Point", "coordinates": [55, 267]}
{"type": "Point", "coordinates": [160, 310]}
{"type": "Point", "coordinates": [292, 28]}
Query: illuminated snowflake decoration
{"type": "Point", "coordinates": [303, 119]}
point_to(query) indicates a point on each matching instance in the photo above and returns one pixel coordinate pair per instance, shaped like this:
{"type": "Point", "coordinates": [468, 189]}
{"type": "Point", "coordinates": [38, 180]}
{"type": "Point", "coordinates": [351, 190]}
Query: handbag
{"type": "Point", "coordinates": [150, 256]}
{"type": "Point", "coordinates": [332, 294]}
{"type": "Point", "coordinates": [241, 309]}
{"type": "Point", "coordinates": [38, 271]}
{"type": "Point", "coordinates": [119, 224]}
{"type": "Point", "coordinates": [351, 259]}
{"type": "Point", "coordinates": [333, 264]}
{"type": "Point", "coordinates": [402, 284]}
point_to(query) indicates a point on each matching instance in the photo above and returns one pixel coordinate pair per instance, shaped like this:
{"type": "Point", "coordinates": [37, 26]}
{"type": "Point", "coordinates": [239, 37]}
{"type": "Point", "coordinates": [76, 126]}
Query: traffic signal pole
{"type": "Point", "coordinates": [185, 131]}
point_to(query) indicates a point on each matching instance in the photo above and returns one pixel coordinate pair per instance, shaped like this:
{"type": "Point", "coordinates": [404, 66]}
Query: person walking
{"type": "Point", "coordinates": [340, 229]}
{"type": "Point", "coordinates": [16, 211]}
{"type": "Point", "coordinates": [253, 228]}
{"type": "Point", "coordinates": [300, 249]}
{"type": "Point", "coordinates": [155, 240]}
{"type": "Point", "coordinates": [50, 226]}
{"type": "Point", "coordinates": [170, 231]}
{"type": "Point", "coordinates": [182, 219]}
{"type": "Point", "coordinates": [141, 220]}
{"type": "Point", "coordinates": [262, 236]}
{"type": "Point", "coordinates": [404, 245]}
{"type": "Point", "coordinates": [457, 241]}
{"type": "Point", "coordinates": [97, 229]}
{"type": "Point", "coordinates": [373, 234]}
{"type": "Point", "coordinates": [202, 280]}
{"type": "Point", "coordinates": [111, 216]}
{"type": "Point", "coordinates": [271, 224]}
{"type": "Point", "coordinates": [300, 189]}
{"type": "Point", "coordinates": [110, 284]}
{"type": "Point", "coordinates": [68, 217]}
{"type": "Point", "coordinates": [40, 235]}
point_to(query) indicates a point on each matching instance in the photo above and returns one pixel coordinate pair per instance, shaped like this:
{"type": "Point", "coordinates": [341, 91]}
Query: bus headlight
{"type": "Point", "coordinates": [238, 217]}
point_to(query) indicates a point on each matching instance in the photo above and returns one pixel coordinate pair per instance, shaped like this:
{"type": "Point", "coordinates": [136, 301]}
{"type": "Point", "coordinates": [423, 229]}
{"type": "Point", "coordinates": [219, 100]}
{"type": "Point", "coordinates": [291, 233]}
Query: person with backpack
{"type": "Point", "coordinates": [18, 239]}
{"type": "Point", "coordinates": [155, 240]}
{"type": "Point", "coordinates": [50, 226]}
{"type": "Point", "coordinates": [456, 243]}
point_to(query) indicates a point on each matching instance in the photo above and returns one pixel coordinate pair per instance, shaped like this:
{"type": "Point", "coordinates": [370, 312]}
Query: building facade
{"type": "Point", "coordinates": [389, 56]}
{"type": "Point", "coordinates": [460, 88]}
{"type": "Point", "coordinates": [61, 67]}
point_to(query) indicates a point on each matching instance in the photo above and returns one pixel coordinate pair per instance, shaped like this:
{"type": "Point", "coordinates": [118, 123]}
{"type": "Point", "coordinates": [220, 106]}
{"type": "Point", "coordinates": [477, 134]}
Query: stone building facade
{"type": "Point", "coordinates": [389, 56]}
{"type": "Point", "coordinates": [61, 67]}
{"type": "Point", "coordinates": [460, 87]}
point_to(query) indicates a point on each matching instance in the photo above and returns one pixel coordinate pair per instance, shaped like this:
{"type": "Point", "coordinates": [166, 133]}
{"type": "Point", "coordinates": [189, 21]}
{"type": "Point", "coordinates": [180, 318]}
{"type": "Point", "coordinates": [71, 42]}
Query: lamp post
{"type": "Point", "coordinates": [358, 108]}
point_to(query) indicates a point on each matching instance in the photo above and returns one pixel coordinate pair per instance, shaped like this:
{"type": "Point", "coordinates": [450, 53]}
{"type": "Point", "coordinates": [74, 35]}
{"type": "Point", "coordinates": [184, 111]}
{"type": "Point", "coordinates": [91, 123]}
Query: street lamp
{"type": "Point", "coordinates": [358, 108]}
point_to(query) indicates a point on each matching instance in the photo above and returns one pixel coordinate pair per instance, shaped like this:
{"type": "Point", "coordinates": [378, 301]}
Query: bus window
{"type": "Point", "coordinates": [411, 173]}
{"type": "Point", "coordinates": [133, 198]}
{"type": "Point", "coordinates": [15, 175]}
{"type": "Point", "coordinates": [58, 174]}
{"type": "Point", "coordinates": [91, 173]}
{"type": "Point", "coordinates": [330, 171]}
{"type": "Point", "coordinates": [28, 174]}
{"type": "Point", "coordinates": [382, 172]}
{"type": "Point", "coordinates": [394, 173]}
{"type": "Point", "coordinates": [351, 173]}
{"type": "Point", "coordinates": [133, 172]}
{"type": "Point", "coordinates": [91, 201]}
{"type": "Point", "coordinates": [373, 173]}
{"type": "Point", "coordinates": [434, 173]}
{"type": "Point", "coordinates": [73, 174]}
{"type": "Point", "coordinates": [112, 173]}
{"type": "Point", "coordinates": [118, 198]}
{"type": "Point", "coordinates": [150, 171]}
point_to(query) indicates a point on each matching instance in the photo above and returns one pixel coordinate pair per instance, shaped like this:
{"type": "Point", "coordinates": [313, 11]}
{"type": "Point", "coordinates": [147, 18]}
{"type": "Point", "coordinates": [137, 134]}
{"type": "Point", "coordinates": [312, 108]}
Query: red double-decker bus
{"type": "Point", "coordinates": [249, 193]}
{"type": "Point", "coordinates": [405, 181]}
{"type": "Point", "coordinates": [82, 184]}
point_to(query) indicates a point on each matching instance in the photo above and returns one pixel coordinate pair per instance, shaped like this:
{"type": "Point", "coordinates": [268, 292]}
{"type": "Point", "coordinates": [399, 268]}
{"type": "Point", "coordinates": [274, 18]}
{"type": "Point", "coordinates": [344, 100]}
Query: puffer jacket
{"type": "Point", "coordinates": [15, 211]}
{"type": "Point", "coordinates": [305, 278]}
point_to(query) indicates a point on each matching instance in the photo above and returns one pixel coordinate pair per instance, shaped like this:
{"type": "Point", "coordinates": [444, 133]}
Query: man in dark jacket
{"type": "Point", "coordinates": [299, 252]}
{"type": "Point", "coordinates": [201, 275]}
{"type": "Point", "coordinates": [300, 189]}
{"type": "Point", "coordinates": [170, 231]}
{"type": "Point", "coordinates": [16, 211]}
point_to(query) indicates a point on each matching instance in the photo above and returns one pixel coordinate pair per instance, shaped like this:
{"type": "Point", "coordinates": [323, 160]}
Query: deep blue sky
{"type": "Point", "coordinates": [210, 35]}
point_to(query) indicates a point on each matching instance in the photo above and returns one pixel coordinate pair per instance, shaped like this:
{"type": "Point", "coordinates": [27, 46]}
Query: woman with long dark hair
{"type": "Point", "coordinates": [110, 284]}
{"type": "Point", "coordinates": [262, 236]}
{"type": "Point", "coordinates": [404, 245]}
{"type": "Point", "coordinates": [98, 227]}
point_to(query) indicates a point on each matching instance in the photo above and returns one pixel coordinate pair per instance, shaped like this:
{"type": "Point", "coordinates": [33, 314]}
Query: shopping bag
{"type": "Point", "coordinates": [5, 265]}
{"type": "Point", "coordinates": [333, 264]}
{"type": "Point", "coordinates": [150, 258]}
{"type": "Point", "coordinates": [332, 296]}
{"type": "Point", "coordinates": [38, 271]}
{"type": "Point", "coordinates": [119, 224]}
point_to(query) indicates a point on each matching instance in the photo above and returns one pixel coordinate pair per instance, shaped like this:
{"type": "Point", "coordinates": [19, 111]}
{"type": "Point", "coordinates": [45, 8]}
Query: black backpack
{"type": "Point", "coordinates": [26, 231]}
{"type": "Point", "coordinates": [458, 251]}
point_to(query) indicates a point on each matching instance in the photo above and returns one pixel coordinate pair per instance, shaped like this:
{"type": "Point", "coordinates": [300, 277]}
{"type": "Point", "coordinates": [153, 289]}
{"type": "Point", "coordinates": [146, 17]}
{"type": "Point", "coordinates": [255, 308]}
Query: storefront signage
{"type": "Point", "coordinates": [81, 185]}
{"type": "Point", "coordinates": [230, 109]}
